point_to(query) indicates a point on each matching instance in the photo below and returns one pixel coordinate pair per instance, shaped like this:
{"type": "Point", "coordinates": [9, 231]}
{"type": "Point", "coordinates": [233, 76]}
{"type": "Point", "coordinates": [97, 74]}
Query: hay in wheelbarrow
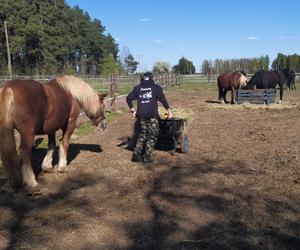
{"type": "Point", "coordinates": [182, 113]}
{"type": "Point", "coordinates": [180, 139]}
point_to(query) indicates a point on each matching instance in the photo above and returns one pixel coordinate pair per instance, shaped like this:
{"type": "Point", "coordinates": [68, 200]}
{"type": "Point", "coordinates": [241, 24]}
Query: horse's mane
{"type": "Point", "coordinates": [82, 91]}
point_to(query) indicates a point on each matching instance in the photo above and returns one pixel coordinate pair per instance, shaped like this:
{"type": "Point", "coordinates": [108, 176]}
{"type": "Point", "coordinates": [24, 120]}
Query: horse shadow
{"type": "Point", "coordinates": [38, 154]}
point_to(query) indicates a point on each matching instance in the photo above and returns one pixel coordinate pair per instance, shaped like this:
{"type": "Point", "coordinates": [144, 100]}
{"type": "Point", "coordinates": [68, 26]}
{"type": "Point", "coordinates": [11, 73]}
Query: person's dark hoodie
{"type": "Point", "coordinates": [147, 93]}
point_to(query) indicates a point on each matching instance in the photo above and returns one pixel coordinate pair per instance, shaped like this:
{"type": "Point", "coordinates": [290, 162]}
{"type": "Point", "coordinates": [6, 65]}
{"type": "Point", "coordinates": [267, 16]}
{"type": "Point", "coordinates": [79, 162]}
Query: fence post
{"type": "Point", "coordinates": [112, 93]}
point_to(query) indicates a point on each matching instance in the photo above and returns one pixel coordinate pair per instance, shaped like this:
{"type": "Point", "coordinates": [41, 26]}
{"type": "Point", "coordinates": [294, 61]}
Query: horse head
{"type": "Point", "coordinates": [243, 81]}
{"type": "Point", "coordinates": [98, 119]}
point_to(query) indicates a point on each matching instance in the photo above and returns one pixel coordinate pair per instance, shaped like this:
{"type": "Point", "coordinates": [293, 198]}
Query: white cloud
{"type": "Point", "coordinates": [157, 41]}
{"type": "Point", "coordinates": [288, 37]}
{"type": "Point", "coordinates": [252, 38]}
{"type": "Point", "coordinates": [144, 19]}
{"type": "Point", "coordinates": [118, 39]}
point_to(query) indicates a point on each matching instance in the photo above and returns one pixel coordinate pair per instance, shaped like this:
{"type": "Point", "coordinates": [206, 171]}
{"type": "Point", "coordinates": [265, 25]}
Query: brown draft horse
{"type": "Point", "coordinates": [231, 81]}
{"type": "Point", "coordinates": [33, 109]}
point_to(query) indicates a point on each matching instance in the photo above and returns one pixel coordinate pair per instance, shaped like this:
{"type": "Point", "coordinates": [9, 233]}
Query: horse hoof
{"type": "Point", "coordinates": [33, 191]}
{"type": "Point", "coordinates": [62, 169]}
{"type": "Point", "coordinates": [48, 170]}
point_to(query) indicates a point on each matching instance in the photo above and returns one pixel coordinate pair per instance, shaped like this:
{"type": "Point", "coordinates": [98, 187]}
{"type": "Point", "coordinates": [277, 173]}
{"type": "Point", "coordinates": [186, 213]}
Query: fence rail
{"type": "Point", "coordinates": [116, 86]}
{"type": "Point", "coordinates": [199, 78]}
{"type": "Point", "coordinates": [125, 83]}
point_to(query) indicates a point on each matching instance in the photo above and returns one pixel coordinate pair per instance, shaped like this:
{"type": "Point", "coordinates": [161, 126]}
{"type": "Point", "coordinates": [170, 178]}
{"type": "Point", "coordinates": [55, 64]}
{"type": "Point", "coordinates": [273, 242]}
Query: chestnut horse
{"type": "Point", "coordinates": [231, 81]}
{"type": "Point", "coordinates": [33, 109]}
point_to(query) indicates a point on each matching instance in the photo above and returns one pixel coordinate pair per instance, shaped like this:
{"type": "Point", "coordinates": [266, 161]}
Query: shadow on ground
{"type": "Point", "coordinates": [39, 154]}
{"type": "Point", "coordinates": [191, 210]}
{"type": "Point", "coordinates": [30, 217]}
{"type": "Point", "coordinates": [194, 204]}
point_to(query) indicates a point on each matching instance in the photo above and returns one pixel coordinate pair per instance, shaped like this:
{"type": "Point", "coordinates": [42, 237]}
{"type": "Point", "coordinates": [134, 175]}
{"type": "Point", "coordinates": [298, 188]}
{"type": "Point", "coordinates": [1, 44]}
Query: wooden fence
{"type": "Point", "coordinates": [256, 96]}
{"type": "Point", "coordinates": [117, 87]}
{"type": "Point", "coordinates": [199, 78]}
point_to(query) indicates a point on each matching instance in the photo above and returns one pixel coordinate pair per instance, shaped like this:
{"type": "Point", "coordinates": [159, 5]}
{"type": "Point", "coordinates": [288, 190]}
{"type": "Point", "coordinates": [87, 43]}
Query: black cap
{"type": "Point", "coordinates": [148, 74]}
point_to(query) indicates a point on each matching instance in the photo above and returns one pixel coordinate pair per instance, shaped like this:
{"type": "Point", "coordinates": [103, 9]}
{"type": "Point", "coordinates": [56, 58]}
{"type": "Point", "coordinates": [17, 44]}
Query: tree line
{"type": "Point", "coordinates": [251, 65]}
{"type": "Point", "coordinates": [287, 61]}
{"type": "Point", "coordinates": [248, 65]}
{"type": "Point", "coordinates": [184, 67]}
{"type": "Point", "coordinates": [50, 37]}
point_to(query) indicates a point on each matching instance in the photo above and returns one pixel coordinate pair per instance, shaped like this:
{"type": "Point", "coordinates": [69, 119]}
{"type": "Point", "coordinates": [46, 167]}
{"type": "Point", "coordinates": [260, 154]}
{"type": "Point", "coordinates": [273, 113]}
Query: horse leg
{"type": "Point", "coordinates": [29, 181]}
{"type": "Point", "coordinates": [232, 95]}
{"type": "Point", "coordinates": [47, 162]}
{"type": "Point", "coordinates": [293, 84]}
{"type": "Point", "coordinates": [221, 98]}
{"type": "Point", "coordinates": [281, 92]}
{"type": "Point", "coordinates": [224, 96]}
{"type": "Point", "coordinates": [64, 146]}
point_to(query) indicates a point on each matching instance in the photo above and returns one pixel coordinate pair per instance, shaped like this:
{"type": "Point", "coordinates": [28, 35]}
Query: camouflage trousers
{"type": "Point", "coordinates": [148, 132]}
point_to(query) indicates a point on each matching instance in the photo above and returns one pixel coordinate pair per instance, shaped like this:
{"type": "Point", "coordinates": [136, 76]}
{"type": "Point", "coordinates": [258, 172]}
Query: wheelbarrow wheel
{"type": "Point", "coordinates": [184, 144]}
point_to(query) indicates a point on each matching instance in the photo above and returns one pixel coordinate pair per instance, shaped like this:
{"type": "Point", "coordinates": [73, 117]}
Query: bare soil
{"type": "Point", "coordinates": [237, 188]}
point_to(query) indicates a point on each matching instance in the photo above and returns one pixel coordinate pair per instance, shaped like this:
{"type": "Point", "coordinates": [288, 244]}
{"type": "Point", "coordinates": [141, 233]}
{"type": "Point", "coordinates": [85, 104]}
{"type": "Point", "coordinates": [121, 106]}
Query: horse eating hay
{"type": "Point", "coordinates": [231, 81]}
{"type": "Point", "coordinates": [33, 109]}
{"type": "Point", "coordinates": [263, 79]}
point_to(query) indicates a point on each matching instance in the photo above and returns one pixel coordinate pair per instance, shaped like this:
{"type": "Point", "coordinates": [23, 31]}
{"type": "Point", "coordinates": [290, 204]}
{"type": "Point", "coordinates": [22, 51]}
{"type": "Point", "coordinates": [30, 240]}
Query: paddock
{"type": "Point", "coordinates": [237, 187]}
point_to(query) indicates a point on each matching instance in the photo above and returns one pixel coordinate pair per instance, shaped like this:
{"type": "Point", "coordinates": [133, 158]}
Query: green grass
{"type": "Point", "coordinates": [189, 85]}
{"type": "Point", "coordinates": [122, 88]}
{"type": "Point", "coordinates": [84, 129]}
{"type": "Point", "coordinates": [87, 127]}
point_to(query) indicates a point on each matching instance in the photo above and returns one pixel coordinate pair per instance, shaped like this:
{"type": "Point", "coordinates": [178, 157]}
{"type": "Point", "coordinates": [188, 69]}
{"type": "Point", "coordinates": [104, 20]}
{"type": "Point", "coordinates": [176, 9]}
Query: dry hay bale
{"type": "Point", "coordinates": [182, 113]}
{"type": "Point", "coordinates": [247, 105]}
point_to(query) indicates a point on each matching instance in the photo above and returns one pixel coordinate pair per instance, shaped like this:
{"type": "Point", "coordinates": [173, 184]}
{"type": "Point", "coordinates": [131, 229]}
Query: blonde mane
{"type": "Point", "coordinates": [242, 80]}
{"type": "Point", "coordinates": [82, 91]}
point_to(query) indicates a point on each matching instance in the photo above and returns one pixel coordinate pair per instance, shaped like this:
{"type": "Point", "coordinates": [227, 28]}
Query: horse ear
{"type": "Point", "coordinates": [102, 96]}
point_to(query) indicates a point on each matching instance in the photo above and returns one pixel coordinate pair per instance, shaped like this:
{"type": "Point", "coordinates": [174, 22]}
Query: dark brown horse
{"type": "Point", "coordinates": [263, 79]}
{"type": "Point", "coordinates": [230, 81]}
{"type": "Point", "coordinates": [290, 78]}
{"type": "Point", "coordinates": [33, 109]}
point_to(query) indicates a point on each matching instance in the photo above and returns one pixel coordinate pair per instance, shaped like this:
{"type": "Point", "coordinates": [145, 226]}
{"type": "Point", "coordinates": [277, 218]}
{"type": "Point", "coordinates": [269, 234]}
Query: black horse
{"type": "Point", "coordinates": [290, 78]}
{"type": "Point", "coordinates": [263, 79]}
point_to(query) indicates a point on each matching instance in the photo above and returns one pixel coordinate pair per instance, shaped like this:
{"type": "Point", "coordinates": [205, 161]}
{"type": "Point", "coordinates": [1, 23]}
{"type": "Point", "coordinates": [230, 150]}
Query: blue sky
{"type": "Point", "coordinates": [166, 30]}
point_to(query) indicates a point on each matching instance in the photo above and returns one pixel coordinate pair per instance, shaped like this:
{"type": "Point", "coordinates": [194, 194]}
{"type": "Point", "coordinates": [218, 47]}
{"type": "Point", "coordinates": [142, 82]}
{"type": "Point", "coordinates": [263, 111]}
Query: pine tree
{"type": "Point", "coordinates": [130, 64]}
{"type": "Point", "coordinates": [109, 66]}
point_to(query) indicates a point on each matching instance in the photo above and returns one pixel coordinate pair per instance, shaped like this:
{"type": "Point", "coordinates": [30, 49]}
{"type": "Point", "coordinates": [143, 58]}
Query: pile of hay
{"type": "Point", "coordinates": [182, 113]}
{"type": "Point", "coordinates": [275, 106]}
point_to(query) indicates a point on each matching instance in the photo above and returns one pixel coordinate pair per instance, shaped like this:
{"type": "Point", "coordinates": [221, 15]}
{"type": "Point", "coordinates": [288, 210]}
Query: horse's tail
{"type": "Point", "coordinates": [8, 152]}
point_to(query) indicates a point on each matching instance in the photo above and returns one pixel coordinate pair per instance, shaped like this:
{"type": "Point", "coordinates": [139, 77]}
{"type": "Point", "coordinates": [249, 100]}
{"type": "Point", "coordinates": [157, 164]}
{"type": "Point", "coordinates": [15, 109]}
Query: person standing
{"type": "Point", "coordinates": [147, 93]}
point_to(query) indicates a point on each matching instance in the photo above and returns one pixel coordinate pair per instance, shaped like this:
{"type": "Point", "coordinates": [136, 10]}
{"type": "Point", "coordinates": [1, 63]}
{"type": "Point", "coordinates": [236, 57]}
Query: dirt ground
{"type": "Point", "coordinates": [237, 188]}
